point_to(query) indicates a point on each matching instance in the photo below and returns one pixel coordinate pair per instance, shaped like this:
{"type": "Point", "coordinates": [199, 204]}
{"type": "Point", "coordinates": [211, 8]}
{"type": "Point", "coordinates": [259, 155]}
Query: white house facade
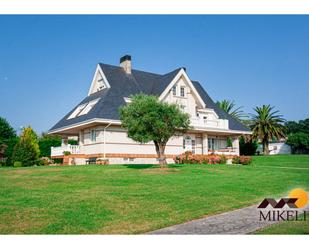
{"type": "Point", "coordinates": [96, 123]}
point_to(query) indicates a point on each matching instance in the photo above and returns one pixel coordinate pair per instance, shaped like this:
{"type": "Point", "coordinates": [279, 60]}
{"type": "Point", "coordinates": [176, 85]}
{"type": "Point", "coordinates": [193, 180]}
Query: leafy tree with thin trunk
{"type": "Point", "coordinates": [148, 119]}
{"type": "Point", "coordinates": [230, 107]}
{"type": "Point", "coordinates": [267, 124]}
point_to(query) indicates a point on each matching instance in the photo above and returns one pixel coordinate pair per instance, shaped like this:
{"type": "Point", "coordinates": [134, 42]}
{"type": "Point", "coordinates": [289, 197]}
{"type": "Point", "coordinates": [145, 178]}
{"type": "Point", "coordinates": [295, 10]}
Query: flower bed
{"type": "Point", "coordinates": [189, 158]}
{"type": "Point", "coordinates": [244, 160]}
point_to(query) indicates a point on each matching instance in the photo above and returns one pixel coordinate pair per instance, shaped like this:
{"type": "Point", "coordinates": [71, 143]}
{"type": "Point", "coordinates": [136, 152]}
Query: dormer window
{"type": "Point", "coordinates": [174, 89]}
{"type": "Point", "coordinates": [182, 91]}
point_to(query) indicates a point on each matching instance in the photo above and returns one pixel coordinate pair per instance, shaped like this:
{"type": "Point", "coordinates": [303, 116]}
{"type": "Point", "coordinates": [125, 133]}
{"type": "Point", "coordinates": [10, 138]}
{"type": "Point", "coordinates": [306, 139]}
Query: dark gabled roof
{"type": "Point", "coordinates": [124, 85]}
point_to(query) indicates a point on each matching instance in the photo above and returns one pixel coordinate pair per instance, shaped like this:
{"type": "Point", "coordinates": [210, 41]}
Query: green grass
{"type": "Point", "coordinates": [136, 199]}
{"type": "Point", "coordinates": [287, 227]}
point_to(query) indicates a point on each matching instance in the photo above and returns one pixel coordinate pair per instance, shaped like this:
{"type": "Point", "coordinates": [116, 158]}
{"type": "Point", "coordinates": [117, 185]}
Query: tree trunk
{"type": "Point", "coordinates": [265, 147]}
{"type": "Point", "coordinates": [160, 148]}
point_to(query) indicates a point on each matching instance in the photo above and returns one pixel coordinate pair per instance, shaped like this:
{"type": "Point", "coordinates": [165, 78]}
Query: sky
{"type": "Point", "coordinates": [47, 62]}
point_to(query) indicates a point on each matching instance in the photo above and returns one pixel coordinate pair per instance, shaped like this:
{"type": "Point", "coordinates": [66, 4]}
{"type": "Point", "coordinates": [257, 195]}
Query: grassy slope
{"type": "Point", "coordinates": [287, 227]}
{"type": "Point", "coordinates": [130, 199]}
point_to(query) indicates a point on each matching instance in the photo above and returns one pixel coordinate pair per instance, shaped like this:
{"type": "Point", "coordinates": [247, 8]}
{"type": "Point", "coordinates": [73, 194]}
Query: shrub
{"type": "Point", "coordinates": [247, 146]}
{"type": "Point", "coordinates": [45, 161]}
{"type": "Point", "coordinates": [244, 160]}
{"type": "Point", "coordinates": [223, 159]}
{"type": "Point", "coordinates": [299, 142]}
{"type": "Point", "coordinates": [236, 160]}
{"type": "Point", "coordinates": [66, 153]}
{"type": "Point", "coordinates": [27, 149]}
{"type": "Point", "coordinates": [46, 142]}
{"type": "Point", "coordinates": [18, 164]}
{"type": "Point", "coordinates": [189, 158]}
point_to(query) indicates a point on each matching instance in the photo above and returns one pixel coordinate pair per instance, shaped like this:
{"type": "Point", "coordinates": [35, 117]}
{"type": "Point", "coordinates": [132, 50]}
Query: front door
{"type": "Point", "coordinates": [189, 144]}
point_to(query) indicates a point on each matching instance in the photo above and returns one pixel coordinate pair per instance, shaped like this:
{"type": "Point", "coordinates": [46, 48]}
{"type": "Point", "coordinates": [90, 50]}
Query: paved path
{"type": "Point", "coordinates": [241, 221]}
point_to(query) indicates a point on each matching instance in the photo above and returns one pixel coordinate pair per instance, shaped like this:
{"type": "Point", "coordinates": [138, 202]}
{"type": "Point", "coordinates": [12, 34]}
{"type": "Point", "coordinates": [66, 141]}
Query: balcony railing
{"type": "Point", "coordinates": [58, 151]}
{"type": "Point", "coordinates": [205, 123]}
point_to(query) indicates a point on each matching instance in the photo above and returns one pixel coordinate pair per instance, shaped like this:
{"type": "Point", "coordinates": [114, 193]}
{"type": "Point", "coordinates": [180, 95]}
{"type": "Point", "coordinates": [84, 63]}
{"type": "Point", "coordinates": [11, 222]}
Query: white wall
{"type": "Point", "coordinates": [276, 148]}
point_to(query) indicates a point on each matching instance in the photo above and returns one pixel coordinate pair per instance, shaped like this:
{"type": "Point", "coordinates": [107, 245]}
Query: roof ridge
{"type": "Point", "coordinates": [138, 70]}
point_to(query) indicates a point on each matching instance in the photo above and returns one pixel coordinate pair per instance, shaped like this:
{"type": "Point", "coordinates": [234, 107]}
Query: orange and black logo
{"type": "Point", "coordinates": [298, 198]}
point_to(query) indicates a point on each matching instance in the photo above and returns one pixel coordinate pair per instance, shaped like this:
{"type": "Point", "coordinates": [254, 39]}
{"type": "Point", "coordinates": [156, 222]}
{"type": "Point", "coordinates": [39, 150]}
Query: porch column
{"type": "Point", "coordinates": [205, 144]}
{"type": "Point", "coordinates": [64, 142]}
{"type": "Point", "coordinates": [80, 138]}
{"type": "Point", "coordinates": [235, 142]}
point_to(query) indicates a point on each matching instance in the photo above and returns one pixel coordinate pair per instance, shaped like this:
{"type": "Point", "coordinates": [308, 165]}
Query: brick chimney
{"type": "Point", "coordinates": [125, 63]}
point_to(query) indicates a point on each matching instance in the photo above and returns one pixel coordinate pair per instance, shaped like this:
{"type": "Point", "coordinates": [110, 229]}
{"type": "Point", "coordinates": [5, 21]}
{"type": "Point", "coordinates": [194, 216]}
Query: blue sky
{"type": "Point", "coordinates": [47, 62]}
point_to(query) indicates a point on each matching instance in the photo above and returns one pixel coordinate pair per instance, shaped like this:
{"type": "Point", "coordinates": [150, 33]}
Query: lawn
{"type": "Point", "coordinates": [287, 227]}
{"type": "Point", "coordinates": [135, 199]}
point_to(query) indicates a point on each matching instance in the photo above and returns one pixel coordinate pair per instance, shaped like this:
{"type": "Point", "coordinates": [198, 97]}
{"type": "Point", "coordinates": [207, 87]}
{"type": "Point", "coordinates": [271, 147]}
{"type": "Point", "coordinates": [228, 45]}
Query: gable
{"type": "Point", "coordinates": [99, 81]}
{"type": "Point", "coordinates": [181, 80]}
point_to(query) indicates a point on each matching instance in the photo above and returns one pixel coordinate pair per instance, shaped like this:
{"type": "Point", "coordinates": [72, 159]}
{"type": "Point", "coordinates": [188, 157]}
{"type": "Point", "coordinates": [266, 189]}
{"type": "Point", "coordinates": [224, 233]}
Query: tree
{"type": "Point", "coordinates": [148, 119]}
{"type": "Point", "coordinates": [247, 146]}
{"type": "Point", "coordinates": [7, 138]}
{"type": "Point", "coordinates": [6, 130]}
{"type": "Point", "coordinates": [294, 127]}
{"type": "Point", "coordinates": [27, 149]}
{"type": "Point", "coordinates": [46, 142]}
{"type": "Point", "coordinates": [230, 107]}
{"type": "Point", "coordinates": [299, 142]}
{"type": "Point", "coordinates": [267, 124]}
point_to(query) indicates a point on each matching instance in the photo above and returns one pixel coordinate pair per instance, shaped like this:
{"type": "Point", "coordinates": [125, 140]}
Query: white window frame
{"type": "Point", "coordinates": [174, 90]}
{"type": "Point", "coordinates": [93, 135]}
{"type": "Point", "coordinates": [182, 91]}
{"type": "Point", "coordinates": [77, 111]}
{"type": "Point", "coordinates": [88, 107]}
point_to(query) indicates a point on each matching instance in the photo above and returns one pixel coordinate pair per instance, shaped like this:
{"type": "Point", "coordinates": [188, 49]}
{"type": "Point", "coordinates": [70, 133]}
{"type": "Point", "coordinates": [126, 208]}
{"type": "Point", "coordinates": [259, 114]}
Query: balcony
{"type": "Point", "coordinates": [58, 151]}
{"type": "Point", "coordinates": [206, 123]}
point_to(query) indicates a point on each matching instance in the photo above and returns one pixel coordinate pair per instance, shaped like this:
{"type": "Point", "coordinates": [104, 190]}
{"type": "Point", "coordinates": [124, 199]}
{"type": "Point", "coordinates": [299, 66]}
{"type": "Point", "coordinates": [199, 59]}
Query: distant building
{"type": "Point", "coordinates": [276, 148]}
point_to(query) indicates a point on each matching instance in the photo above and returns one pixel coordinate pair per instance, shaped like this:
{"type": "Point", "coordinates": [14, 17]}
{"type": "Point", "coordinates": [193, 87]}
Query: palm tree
{"type": "Point", "coordinates": [229, 107]}
{"type": "Point", "coordinates": [266, 125]}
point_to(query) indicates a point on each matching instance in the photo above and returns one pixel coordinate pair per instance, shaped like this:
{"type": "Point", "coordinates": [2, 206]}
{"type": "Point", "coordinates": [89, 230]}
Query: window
{"type": "Point", "coordinates": [174, 90]}
{"type": "Point", "coordinates": [77, 111]}
{"type": "Point", "coordinates": [193, 146]}
{"type": "Point", "coordinates": [89, 106]}
{"type": "Point", "coordinates": [93, 135]}
{"type": "Point", "coordinates": [83, 108]}
{"type": "Point", "coordinates": [182, 91]}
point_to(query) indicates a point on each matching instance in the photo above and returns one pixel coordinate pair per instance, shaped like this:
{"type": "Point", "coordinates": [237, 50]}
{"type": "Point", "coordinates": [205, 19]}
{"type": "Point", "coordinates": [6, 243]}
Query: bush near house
{"type": "Point", "coordinates": [247, 146]}
{"type": "Point", "coordinates": [244, 160]}
{"type": "Point", "coordinates": [189, 158]}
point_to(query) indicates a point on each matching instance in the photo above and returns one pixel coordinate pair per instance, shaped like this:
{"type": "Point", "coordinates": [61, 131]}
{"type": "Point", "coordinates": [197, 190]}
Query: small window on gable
{"type": "Point", "coordinates": [182, 91]}
{"type": "Point", "coordinates": [174, 89]}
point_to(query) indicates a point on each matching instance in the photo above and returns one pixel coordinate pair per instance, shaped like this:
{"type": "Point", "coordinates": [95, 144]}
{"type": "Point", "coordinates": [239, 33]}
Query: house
{"type": "Point", "coordinates": [95, 120]}
{"type": "Point", "coordinates": [276, 148]}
